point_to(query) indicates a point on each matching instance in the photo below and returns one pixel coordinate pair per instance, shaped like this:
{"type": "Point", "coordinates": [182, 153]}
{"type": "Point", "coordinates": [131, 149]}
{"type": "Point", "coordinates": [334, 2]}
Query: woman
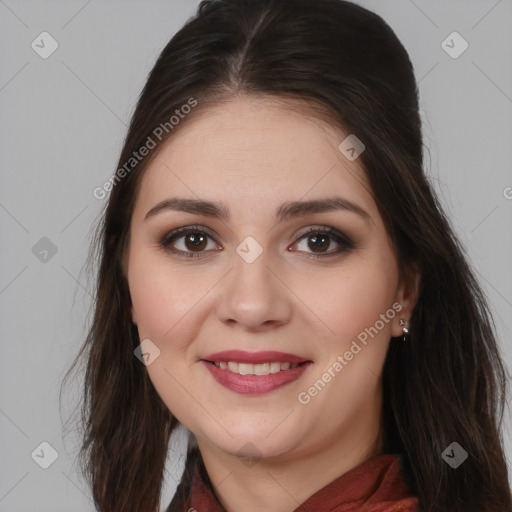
{"type": "Point", "coordinates": [277, 276]}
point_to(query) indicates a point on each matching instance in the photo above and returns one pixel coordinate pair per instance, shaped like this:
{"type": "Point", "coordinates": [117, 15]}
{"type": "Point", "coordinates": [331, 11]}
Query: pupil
{"type": "Point", "coordinates": [196, 240]}
{"type": "Point", "coordinates": [316, 242]}
{"type": "Point", "coordinates": [322, 239]}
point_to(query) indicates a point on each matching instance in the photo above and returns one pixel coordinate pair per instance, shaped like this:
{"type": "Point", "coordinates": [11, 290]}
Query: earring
{"type": "Point", "coordinates": [405, 330]}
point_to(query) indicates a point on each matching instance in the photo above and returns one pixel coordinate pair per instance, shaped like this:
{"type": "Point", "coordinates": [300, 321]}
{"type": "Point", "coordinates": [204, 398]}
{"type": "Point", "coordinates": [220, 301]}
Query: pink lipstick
{"type": "Point", "coordinates": [255, 372]}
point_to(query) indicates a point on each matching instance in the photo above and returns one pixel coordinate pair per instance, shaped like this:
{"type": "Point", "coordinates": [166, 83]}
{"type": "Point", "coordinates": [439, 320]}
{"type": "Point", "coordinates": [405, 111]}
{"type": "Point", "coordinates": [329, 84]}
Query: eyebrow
{"type": "Point", "coordinates": [286, 211]}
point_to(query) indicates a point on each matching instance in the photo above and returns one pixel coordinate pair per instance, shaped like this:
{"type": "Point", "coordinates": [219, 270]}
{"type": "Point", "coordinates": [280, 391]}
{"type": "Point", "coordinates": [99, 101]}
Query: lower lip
{"type": "Point", "coordinates": [255, 384]}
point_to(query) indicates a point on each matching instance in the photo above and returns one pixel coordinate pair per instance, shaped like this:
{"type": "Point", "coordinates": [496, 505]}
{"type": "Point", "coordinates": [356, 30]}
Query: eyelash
{"type": "Point", "coordinates": [342, 240]}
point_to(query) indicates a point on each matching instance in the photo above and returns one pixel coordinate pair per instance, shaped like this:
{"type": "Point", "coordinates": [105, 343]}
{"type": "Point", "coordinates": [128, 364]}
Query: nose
{"type": "Point", "coordinates": [253, 297]}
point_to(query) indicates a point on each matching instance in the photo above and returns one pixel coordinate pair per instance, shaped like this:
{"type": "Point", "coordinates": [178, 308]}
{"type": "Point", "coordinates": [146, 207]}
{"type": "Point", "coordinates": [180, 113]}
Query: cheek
{"type": "Point", "coordinates": [168, 305]}
{"type": "Point", "coordinates": [161, 297]}
{"type": "Point", "coordinates": [356, 296]}
{"type": "Point", "coordinates": [352, 359]}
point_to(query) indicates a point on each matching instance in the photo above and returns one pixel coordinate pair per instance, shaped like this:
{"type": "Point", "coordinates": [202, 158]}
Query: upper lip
{"type": "Point", "coordinates": [268, 356]}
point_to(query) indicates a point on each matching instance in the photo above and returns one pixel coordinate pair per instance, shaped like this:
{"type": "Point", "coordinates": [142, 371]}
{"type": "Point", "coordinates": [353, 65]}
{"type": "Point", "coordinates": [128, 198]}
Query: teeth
{"type": "Point", "coordinates": [275, 367]}
{"type": "Point", "coordinates": [262, 369]}
{"type": "Point", "coordinates": [245, 369]}
{"type": "Point", "coordinates": [255, 369]}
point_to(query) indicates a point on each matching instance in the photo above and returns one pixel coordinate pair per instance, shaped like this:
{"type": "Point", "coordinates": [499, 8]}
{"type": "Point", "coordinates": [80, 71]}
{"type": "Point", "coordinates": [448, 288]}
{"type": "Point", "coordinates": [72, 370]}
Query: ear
{"type": "Point", "coordinates": [134, 318]}
{"type": "Point", "coordinates": [406, 296]}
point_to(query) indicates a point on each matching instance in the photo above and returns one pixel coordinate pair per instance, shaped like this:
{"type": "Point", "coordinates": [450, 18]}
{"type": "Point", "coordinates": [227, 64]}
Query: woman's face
{"type": "Point", "coordinates": [283, 279]}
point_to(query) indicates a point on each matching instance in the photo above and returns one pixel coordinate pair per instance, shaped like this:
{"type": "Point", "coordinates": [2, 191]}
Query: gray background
{"type": "Point", "coordinates": [62, 124]}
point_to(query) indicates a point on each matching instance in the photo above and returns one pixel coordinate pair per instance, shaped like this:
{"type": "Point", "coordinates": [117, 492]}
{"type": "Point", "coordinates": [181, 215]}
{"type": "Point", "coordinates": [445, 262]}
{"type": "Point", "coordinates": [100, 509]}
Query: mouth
{"type": "Point", "coordinates": [255, 369]}
{"type": "Point", "coordinates": [255, 372]}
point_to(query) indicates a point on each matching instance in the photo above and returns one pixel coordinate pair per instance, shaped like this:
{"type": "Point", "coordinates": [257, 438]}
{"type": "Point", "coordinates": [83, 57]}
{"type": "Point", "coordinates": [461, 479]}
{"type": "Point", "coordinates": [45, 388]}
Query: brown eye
{"type": "Point", "coordinates": [195, 241]}
{"type": "Point", "coordinates": [317, 242]}
{"type": "Point", "coordinates": [188, 242]}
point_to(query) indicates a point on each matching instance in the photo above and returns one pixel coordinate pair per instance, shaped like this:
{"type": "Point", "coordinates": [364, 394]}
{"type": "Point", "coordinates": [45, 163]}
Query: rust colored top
{"type": "Point", "coordinates": [376, 485]}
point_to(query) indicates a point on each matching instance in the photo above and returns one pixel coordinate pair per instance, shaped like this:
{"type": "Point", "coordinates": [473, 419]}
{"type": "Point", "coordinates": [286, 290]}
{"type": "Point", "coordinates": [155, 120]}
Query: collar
{"type": "Point", "coordinates": [376, 485]}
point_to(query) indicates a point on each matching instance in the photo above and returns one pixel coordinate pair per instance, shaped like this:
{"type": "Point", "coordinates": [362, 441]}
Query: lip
{"type": "Point", "coordinates": [241, 356]}
{"type": "Point", "coordinates": [255, 384]}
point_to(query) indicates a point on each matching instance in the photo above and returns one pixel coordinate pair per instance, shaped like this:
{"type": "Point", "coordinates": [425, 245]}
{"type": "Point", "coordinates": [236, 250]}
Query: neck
{"type": "Point", "coordinates": [283, 483]}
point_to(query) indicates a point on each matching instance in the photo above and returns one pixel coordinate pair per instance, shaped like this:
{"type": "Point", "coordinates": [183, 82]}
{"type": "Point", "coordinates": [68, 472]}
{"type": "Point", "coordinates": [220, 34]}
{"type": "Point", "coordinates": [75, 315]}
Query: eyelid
{"type": "Point", "coordinates": [170, 237]}
{"type": "Point", "coordinates": [345, 242]}
{"type": "Point", "coordinates": [324, 229]}
{"type": "Point", "coordinates": [172, 234]}
{"type": "Point", "coordinates": [339, 237]}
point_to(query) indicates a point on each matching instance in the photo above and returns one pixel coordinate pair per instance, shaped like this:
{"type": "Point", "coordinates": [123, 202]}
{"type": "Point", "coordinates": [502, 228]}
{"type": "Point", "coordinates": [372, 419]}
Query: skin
{"type": "Point", "coordinates": [253, 154]}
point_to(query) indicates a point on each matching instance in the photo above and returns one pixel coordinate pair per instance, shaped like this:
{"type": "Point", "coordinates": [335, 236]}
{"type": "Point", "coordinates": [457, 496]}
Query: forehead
{"type": "Point", "coordinates": [253, 149]}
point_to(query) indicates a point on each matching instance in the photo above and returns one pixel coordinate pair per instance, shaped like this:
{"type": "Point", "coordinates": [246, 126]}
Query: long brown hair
{"type": "Point", "coordinates": [446, 384]}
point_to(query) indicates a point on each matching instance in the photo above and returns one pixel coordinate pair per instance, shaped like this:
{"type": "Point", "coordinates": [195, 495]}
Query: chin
{"type": "Point", "coordinates": [252, 444]}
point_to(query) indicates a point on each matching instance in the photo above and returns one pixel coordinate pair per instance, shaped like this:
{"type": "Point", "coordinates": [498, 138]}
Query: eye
{"type": "Point", "coordinates": [188, 242]}
{"type": "Point", "coordinates": [319, 240]}
{"type": "Point", "coordinates": [195, 241]}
